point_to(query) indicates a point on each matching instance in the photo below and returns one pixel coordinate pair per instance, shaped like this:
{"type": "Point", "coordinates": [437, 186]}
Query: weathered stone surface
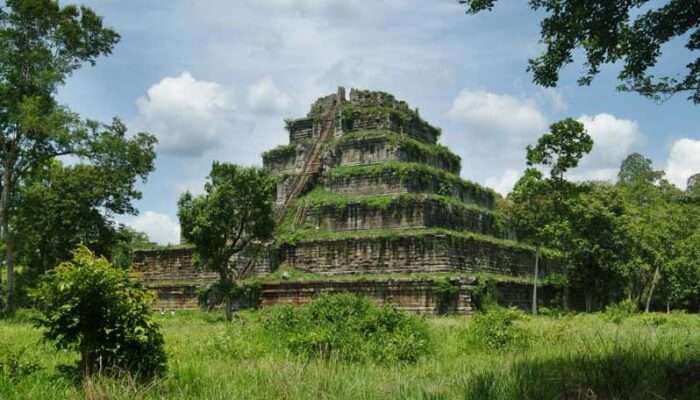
{"type": "Point", "coordinates": [417, 296]}
{"type": "Point", "coordinates": [381, 149]}
{"type": "Point", "coordinates": [391, 183]}
{"type": "Point", "coordinates": [368, 145]}
{"type": "Point", "coordinates": [401, 214]}
{"type": "Point", "coordinates": [412, 254]}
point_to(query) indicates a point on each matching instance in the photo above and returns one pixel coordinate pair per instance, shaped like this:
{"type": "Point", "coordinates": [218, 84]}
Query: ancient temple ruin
{"type": "Point", "coordinates": [369, 202]}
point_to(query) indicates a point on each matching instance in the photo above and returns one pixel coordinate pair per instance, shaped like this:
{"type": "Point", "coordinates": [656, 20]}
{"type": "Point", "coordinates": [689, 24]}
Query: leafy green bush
{"type": "Point", "coordinates": [350, 328]}
{"type": "Point", "coordinates": [16, 364]}
{"type": "Point", "coordinates": [619, 312]}
{"type": "Point", "coordinates": [496, 329]}
{"type": "Point", "coordinates": [90, 306]}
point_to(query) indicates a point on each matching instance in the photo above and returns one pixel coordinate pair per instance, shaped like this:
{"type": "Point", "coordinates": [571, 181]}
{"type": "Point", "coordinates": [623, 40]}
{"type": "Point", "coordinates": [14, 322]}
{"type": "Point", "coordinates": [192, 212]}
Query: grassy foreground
{"type": "Point", "coordinates": [570, 357]}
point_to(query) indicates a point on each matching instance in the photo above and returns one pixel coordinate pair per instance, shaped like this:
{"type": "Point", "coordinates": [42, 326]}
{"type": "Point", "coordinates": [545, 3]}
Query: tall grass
{"type": "Point", "coordinates": [570, 357]}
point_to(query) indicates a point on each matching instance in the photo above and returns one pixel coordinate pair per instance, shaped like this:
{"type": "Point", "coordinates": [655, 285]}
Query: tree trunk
{"type": "Point", "coordinates": [6, 238]}
{"type": "Point", "coordinates": [228, 304]}
{"type": "Point", "coordinates": [534, 285]}
{"type": "Point", "coordinates": [589, 301]}
{"type": "Point", "coordinates": [668, 306]}
{"type": "Point", "coordinates": [651, 290]}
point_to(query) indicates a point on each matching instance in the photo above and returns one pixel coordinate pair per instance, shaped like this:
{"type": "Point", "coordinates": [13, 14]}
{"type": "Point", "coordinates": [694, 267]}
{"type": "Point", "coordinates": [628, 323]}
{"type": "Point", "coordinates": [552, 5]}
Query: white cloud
{"type": "Point", "coordinates": [683, 162]}
{"type": "Point", "coordinates": [504, 184]}
{"type": "Point", "coordinates": [160, 228]}
{"type": "Point", "coordinates": [613, 140]}
{"type": "Point", "coordinates": [504, 113]}
{"type": "Point", "coordinates": [188, 116]}
{"type": "Point", "coordinates": [264, 97]}
{"type": "Point", "coordinates": [495, 129]}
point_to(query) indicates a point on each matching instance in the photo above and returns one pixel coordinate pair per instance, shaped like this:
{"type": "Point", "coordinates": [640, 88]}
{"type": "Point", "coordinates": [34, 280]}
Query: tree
{"type": "Point", "coordinates": [622, 32]}
{"type": "Point", "coordinates": [531, 214]}
{"type": "Point", "coordinates": [60, 207]}
{"type": "Point", "coordinates": [693, 188]}
{"type": "Point", "coordinates": [538, 205]}
{"type": "Point", "coordinates": [597, 245]}
{"type": "Point", "coordinates": [41, 44]}
{"type": "Point", "coordinates": [636, 167]}
{"type": "Point", "coordinates": [234, 212]}
{"type": "Point", "coordinates": [561, 148]}
{"type": "Point", "coordinates": [90, 306]}
{"type": "Point", "coordinates": [684, 274]}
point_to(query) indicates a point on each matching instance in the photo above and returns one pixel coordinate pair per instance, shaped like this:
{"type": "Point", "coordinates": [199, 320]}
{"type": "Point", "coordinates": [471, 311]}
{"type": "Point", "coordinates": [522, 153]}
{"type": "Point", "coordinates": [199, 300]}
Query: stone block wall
{"type": "Point", "coordinates": [389, 183]}
{"type": "Point", "coordinates": [422, 213]}
{"type": "Point", "coordinates": [380, 150]}
{"type": "Point", "coordinates": [412, 254]}
{"type": "Point", "coordinates": [416, 296]}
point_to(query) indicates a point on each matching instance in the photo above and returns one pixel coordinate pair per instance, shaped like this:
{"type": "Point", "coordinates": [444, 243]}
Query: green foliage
{"type": "Point", "coordinates": [234, 212]}
{"type": "Point", "coordinates": [280, 152]}
{"type": "Point", "coordinates": [416, 150]}
{"type": "Point", "coordinates": [42, 44]}
{"type": "Point", "coordinates": [562, 148]}
{"type": "Point", "coordinates": [15, 365]}
{"type": "Point", "coordinates": [90, 306]}
{"type": "Point", "coordinates": [420, 174]}
{"type": "Point", "coordinates": [402, 114]}
{"type": "Point", "coordinates": [349, 328]}
{"type": "Point", "coordinates": [620, 311]}
{"type": "Point", "coordinates": [64, 206]}
{"type": "Point", "coordinates": [497, 329]}
{"type": "Point", "coordinates": [446, 292]}
{"type": "Point", "coordinates": [630, 34]}
{"type": "Point", "coordinates": [637, 168]}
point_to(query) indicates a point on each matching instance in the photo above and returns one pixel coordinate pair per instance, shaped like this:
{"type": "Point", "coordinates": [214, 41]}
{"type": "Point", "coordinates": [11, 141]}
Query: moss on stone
{"type": "Point", "coordinates": [421, 174]}
{"type": "Point", "coordinates": [279, 152]}
{"type": "Point", "coordinates": [415, 149]}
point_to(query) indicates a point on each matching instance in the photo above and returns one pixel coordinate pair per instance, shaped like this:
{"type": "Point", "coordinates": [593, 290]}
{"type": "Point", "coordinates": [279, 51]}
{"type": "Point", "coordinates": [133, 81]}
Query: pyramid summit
{"type": "Point", "coordinates": [369, 202]}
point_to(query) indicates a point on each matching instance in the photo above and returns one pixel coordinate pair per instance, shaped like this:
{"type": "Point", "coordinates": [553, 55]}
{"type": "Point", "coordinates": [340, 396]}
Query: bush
{"type": "Point", "coordinates": [349, 328]}
{"type": "Point", "coordinates": [495, 329]}
{"type": "Point", "coordinates": [619, 312]}
{"type": "Point", "coordinates": [92, 307]}
{"type": "Point", "coordinates": [16, 364]}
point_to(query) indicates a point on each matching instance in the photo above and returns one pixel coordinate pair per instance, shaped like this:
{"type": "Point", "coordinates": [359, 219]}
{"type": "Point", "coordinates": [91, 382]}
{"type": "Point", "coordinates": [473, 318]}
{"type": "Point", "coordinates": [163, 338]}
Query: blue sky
{"type": "Point", "coordinates": [214, 81]}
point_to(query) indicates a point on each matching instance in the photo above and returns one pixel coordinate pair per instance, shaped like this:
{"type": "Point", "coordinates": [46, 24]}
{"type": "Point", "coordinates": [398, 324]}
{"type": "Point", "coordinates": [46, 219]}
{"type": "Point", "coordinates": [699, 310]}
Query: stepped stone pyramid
{"type": "Point", "coordinates": [369, 202]}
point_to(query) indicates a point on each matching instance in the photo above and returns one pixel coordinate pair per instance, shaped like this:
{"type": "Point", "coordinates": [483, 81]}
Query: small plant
{"type": "Point", "coordinates": [496, 329]}
{"type": "Point", "coordinates": [90, 306]}
{"type": "Point", "coordinates": [446, 292]}
{"type": "Point", "coordinates": [348, 327]}
{"type": "Point", "coordinates": [16, 365]}
{"type": "Point", "coordinates": [617, 313]}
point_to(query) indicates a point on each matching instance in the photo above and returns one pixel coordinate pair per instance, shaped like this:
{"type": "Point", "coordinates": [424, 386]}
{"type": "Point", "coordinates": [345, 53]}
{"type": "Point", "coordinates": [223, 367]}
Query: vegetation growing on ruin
{"type": "Point", "coordinates": [419, 174]}
{"type": "Point", "coordinates": [311, 234]}
{"type": "Point", "coordinates": [404, 116]}
{"type": "Point", "coordinates": [416, 150]}
{"type": "Point", "coordinates": [280, 152]}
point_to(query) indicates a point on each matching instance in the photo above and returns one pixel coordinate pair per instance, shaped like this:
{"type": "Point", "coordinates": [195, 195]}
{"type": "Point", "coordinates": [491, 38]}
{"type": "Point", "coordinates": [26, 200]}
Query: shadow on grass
{"type": "Point", "coordinates": [623, 374]}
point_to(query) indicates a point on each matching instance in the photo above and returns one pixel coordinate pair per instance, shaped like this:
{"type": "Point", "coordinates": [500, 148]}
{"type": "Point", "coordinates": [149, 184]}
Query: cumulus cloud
{"type": "Point", "coordinates": [509, 115]}
{"type": "Point", "coordinates": [494, 130]}
{"type": "Point", "coordinates": [613, 140]}
{"type": "Point", "coordinates": [504, 184]}
{"type": "Point", "coordinates": [160, 228]}
{"type": "Point", "coordinates": [683, 162]}
{"type": "Point", "coordinates": [266, 98]}
{"type": "Point", "coordinates": [187, 115]}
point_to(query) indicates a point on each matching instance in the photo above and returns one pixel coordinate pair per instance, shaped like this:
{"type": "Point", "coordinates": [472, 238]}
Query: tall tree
{"type": "Point", "coordinates": [629, 33]}
{"type": "Point", "coordinates": [234, 212]}
{"type": "Point", "coordinates": [693, 188]}
{"type": "Point", "coordinates": [41, 44]}
{"type": "Point", "coordinates": [539, 209]}
{"type": "Point", "coordinates": [636, 167]}
{"type": "Point", "coordinates": [60, 207]}
{"type": "Point", "coordinates": [597, 245]}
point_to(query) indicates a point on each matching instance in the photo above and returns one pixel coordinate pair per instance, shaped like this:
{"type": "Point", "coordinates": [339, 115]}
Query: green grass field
{"type": "Point", "coordinates": [572, 357]}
